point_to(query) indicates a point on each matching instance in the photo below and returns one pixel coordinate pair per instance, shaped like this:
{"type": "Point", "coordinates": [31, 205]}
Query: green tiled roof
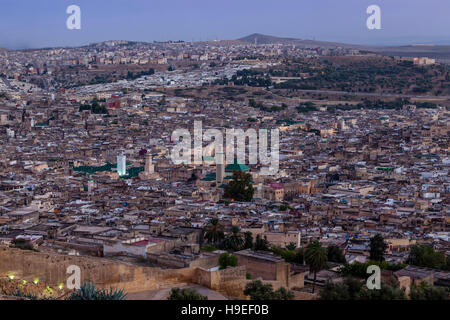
{"type": "Point", "coordinates": [210, 177]}
{"type": "Point", "coordinates": [236, 166]}
{"type": "Point", "coordinates": [132, 172]}
{"type": "Point", "coordinates": [93, 169]}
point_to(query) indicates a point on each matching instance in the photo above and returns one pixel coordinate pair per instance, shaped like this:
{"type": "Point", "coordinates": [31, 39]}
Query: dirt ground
{"type": "Point", "coordinates": [162, 294]}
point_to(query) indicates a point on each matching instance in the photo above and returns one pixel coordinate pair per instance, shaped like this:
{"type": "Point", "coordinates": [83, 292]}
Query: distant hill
{"type": "Point", "coordinates": [442, 53]}
{"type": "Point", "coordinates": [266, 39]}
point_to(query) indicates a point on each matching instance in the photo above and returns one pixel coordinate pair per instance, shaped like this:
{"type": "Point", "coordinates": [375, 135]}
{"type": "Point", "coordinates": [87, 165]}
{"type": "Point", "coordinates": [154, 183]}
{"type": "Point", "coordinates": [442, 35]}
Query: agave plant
{"type": "Point", "coordinates": [19, 293]}
{"type": "Point", "coordinates": [88, 291]}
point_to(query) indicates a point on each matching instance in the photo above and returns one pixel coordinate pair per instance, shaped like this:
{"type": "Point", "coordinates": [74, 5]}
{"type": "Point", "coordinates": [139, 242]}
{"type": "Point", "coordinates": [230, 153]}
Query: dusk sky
{"type": "Point", "coordinates": [42, 23]}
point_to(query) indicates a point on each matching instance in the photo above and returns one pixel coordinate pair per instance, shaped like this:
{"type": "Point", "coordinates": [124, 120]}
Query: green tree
{"type": "Point", "coordinates": [248, 240]}
{"type": "Point", "coordinates": [335, 254]}
{"type": "Point", "coordinates": [299, 255]}
{"type": "Point", "coordinates": [287, 254]}
{"type": "Point", "coordinates": [261, 243]}
{"type": "Point", "coordinates": [240, 187]}
{"type": "Point", "coordinates": [214, 231]}
{"type": "Point", "coordinates": [349, 289]}
{"type": "Point", "coordinates": [386, 292]}
{"type": "Point", "coordinates": [316, 258]}
{"type": "Point", "coordinates": [424, 291]}
{"type": "Point", "coordinates": [425, 256]}
{"type": "Point", "coordinates": [377, 248]}
{"type": "Point", "coordinates": [283, 294]}
{"type": "Point", "coordinates": [354, 289]}
{"type": "Point", "coordinates": [23, 244]}
{"type": "Point", "coordinates": [227, 260]}
{"type": "Point", "coordinates": [235, 240]}
{"type": "Point", "coordinates": [185, 294]}
{"type": "Point", "coordinates": [291, 246]}
{"type": "Point", "coordinates": [259, 291]}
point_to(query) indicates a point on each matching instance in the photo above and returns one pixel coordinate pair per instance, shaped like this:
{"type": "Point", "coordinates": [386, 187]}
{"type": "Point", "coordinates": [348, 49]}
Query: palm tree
{"type": "Point", "coordinates": [316, 258]}
{"type": "Point", "coordinates": [235, 240]}
{"type": "Point", "coordinates": [214, 231]}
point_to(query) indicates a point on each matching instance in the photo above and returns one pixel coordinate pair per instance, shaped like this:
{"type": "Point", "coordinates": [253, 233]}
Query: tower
{"type": "Point", "coordinates": [220, 167]}
{"type": "Point", "coordinates": [90, 185]}
{"type": "Point", "coordinates": [149, 168]}
{"type": "Point", "coordinates": [121, 165]}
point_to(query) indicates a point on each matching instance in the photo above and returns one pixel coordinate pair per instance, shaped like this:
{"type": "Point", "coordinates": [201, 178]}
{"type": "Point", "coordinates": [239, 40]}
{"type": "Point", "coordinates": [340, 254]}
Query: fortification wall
{"type": "Point", "coordinates": [51, 268]}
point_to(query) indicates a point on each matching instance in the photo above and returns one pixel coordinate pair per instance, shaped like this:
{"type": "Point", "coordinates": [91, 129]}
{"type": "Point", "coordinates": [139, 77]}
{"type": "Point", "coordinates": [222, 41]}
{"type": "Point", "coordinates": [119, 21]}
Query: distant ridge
{"type": "Point", "coordinates": [439, 52]}
{"type": "Point", "coordinates": [266, 39]}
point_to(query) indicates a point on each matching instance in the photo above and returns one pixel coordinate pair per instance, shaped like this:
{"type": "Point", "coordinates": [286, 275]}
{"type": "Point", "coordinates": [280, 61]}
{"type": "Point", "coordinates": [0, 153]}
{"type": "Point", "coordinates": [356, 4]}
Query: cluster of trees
{"type": "Point", "coordinates": [94, 107]}
{"type": "Point", "coordinates": [424, 291]}
{"type": "Point", "coordinates": [380, 104]}
{"type": "Point", "coordinates": [377, 251]}
{"type": "Point", "coordinates": [235, 240]}
{"type": "Point", "coordinates": [256, 290]}
{"type": "Point", "coordinates": [133, 76]}
{"type": "Point", "coordinates": [355, 289]}
{"type": "Point", "coordinates": [252, 103]}
{"type": "Point", "coordinates": [296, 255]}
{"type": "Point", "coordinates": [251, 78]}
{"type": "Point", "coordinates": [359, 269]}
{"type": "Point", "coordinates": [382, 76]}
{"type": "Point", "coordinates": [425, 256]}
{"type": "Point", "coordinates": [306, 107]}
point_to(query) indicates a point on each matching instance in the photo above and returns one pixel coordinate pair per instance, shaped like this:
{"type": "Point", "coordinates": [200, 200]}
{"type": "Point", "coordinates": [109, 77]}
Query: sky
{"type": "Point", "coordinates": [42, 23]}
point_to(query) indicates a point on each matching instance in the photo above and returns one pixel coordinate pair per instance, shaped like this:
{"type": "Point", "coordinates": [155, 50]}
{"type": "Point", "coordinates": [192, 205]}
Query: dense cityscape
{"type": "Point", "coordinates": [87, 178]}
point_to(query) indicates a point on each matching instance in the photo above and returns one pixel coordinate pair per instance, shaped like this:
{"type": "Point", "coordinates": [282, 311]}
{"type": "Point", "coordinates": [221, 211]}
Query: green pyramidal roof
{"type": "Point", "coordinates": [236, 166]}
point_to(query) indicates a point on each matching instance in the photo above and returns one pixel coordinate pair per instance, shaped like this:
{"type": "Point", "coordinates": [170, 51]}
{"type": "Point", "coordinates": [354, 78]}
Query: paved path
{"type": "Point", "coordinates": [162, 294]}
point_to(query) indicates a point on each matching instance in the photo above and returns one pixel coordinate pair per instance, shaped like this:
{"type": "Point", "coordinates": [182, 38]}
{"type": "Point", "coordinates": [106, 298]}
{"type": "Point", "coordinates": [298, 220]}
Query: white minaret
{"type": "Point", "coordinates": [90, 185]}
{"type": "Point", "coordinates": [122, 165]}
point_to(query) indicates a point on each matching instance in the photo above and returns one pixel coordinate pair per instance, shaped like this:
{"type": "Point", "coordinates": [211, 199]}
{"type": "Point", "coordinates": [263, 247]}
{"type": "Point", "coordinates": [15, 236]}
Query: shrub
{"type": "Point", "coordinates": [88, 291]}
{"type": "Point", "coordinates": [185, 294]}
{"type": "Point", "coordinates": [227, 260]}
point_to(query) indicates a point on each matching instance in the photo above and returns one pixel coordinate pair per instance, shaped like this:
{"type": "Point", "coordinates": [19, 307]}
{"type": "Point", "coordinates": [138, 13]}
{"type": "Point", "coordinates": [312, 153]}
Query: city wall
{"type": "Point", "coordinates": [51, 269]}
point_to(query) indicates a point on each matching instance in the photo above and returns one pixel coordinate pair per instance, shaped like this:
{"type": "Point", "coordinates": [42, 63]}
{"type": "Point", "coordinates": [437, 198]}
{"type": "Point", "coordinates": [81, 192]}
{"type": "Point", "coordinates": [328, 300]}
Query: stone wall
{"type": "Point", "coordinates": [266, 269]}
{"type": "Point", "coordinates": [51, 269]}
{"type": "Point", "coordinates": [230, 282]}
